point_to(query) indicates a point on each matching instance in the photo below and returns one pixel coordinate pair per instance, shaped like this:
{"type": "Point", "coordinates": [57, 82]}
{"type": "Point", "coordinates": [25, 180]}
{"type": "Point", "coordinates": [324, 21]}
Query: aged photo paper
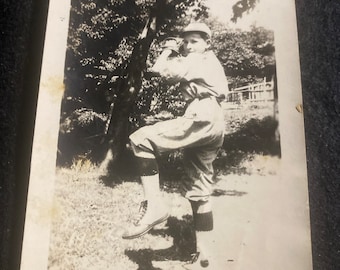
{"type": "Point", "coordinates": [101, 82]}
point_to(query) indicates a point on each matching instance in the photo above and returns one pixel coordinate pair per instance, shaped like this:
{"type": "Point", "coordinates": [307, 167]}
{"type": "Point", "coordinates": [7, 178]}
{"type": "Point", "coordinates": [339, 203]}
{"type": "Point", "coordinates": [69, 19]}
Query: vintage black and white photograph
{"type": "Point", "coordinates": [169, 135]}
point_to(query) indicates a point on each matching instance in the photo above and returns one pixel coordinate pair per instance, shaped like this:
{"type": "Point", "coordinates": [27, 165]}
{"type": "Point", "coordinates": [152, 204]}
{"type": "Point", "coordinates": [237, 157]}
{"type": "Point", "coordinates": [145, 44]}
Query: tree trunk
{"type": "Point", "coordinates": [117, 134]}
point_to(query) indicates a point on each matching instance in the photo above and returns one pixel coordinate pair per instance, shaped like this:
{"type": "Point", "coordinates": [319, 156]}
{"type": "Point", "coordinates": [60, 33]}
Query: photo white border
{"type": "Point", "coordinates": [39, 210]}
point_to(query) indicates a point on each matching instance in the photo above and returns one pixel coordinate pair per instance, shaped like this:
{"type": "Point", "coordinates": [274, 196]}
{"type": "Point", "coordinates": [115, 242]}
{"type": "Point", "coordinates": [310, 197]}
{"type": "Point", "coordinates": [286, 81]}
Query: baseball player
{"type": "Point", "coordinates": [199, 132]}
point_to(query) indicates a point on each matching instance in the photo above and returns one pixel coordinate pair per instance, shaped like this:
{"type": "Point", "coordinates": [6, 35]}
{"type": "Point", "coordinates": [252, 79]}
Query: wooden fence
{"type": "Point", "coordinates": [252, 93]}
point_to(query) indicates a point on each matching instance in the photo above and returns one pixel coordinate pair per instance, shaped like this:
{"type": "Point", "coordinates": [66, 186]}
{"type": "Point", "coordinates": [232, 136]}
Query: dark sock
{"type": "Point", "coordinates": [203, 221]}
{"type": "Point", "coordinates": [147, 166]}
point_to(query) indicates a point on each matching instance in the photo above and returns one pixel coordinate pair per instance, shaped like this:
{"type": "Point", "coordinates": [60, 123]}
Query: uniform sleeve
{"type": "Point", "coordinates": [204, 70]}
{"type": "Point", "coordinates": [174, 69]}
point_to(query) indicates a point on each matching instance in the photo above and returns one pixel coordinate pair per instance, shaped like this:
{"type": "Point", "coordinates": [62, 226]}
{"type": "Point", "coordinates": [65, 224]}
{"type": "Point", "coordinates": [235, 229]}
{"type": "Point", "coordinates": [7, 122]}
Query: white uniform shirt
{"type": "Point", "coordinates": [201, 75]}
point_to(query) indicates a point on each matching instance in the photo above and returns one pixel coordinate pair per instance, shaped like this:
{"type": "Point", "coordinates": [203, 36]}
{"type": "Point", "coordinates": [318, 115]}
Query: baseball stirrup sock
{"type": "Point", "coordinates": [203, 221]}
{"type": "Point", "coordinates": [147, 166]}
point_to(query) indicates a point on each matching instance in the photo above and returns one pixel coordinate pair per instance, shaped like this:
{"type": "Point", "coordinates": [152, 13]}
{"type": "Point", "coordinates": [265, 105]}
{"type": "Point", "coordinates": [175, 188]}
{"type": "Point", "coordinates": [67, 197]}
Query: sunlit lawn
{"type": "Point", "coordinates": [92, 217]}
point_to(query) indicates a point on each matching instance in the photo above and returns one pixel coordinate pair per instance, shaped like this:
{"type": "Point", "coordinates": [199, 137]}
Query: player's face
{"type": "Point", "coordinates": [194, 43]}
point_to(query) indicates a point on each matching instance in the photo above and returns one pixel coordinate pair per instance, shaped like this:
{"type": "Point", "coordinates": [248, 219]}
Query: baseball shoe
{"type": "Point", "coordinates": [144, 222]}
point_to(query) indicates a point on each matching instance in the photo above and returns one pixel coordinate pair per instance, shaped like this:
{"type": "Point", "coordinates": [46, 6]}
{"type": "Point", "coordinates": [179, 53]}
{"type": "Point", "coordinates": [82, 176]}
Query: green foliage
{"type": "Point", "coordinates": [243, 54]}
{"type": "Point", "coordinates": [102, 35]}
{"type": "Point", "coordinates": [159, 100]}
{"type": "Point", "coordinates": [80, 135]}
{"type": "Point", "coordinates": [253, 137]}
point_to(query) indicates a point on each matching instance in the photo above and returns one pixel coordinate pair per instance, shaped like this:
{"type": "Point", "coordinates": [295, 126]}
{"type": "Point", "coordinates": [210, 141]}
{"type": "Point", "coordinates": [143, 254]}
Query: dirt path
{"type": "Point", "coordinates": [262, 227]}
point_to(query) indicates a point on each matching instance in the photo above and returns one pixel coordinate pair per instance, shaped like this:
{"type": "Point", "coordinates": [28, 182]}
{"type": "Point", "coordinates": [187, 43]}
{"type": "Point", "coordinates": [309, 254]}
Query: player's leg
{"type": "Point", "coordinates": [203, 225]}
{"type": "Point", "coordinates": [146, 142]}
{"type": "Point", "coordinates": [198, 163]}
{"type": "Point", "coordinates": [153, 209]}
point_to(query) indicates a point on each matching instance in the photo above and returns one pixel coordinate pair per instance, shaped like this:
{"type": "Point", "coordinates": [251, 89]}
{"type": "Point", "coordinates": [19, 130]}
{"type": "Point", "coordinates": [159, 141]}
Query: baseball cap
{"type": "Point", "coordinates": [197, 27]}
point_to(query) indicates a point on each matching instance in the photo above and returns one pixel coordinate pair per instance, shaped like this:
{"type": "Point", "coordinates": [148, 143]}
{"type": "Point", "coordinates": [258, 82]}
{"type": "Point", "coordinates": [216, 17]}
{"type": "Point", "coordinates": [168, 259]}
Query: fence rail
{"type": "Point", "coordinates": [252, 93]}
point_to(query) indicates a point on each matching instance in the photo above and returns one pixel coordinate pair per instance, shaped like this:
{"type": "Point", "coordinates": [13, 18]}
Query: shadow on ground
{"type": "Point", "coordinates": [183, 245]}
{"type": "Point", "coordinates": [221, 192]}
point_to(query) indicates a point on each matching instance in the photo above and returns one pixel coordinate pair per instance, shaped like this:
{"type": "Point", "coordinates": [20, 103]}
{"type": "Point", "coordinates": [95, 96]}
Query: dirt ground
{"type": "Point", "coordinates": [261, 223]}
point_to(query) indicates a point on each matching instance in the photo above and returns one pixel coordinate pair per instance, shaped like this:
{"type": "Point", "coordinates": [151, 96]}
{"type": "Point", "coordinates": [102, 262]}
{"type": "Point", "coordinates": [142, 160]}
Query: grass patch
{"type": "Point", "coordinates": [92, 216]}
